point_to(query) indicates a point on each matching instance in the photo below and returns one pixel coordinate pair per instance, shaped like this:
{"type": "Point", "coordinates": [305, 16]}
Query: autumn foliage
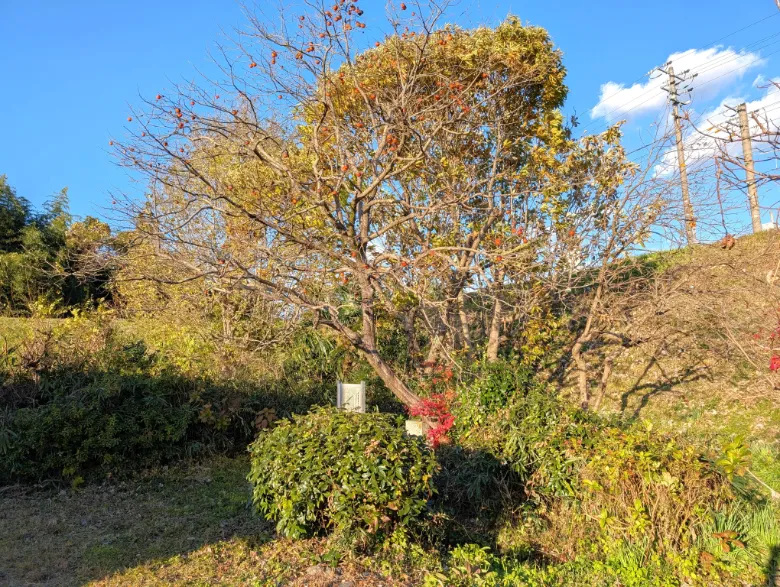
{"type": "Point", "coordinates": [397, 178]}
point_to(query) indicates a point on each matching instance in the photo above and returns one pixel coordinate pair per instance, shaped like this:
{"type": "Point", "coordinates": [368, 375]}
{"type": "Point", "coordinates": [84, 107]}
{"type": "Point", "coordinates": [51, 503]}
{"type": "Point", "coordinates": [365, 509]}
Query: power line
{"type": "Point", "coordinates": [721, 61]}
{"type": "Point", "coordinates": [652, 90]}
{"type": "Point", "coordinates": [774, 14]}
{"type": "Point", "coordinates": [707, 45]}
{"type": "Point", "coordinates": [709, 81]}
{"type": "Point", "coordinates": [653, 95]}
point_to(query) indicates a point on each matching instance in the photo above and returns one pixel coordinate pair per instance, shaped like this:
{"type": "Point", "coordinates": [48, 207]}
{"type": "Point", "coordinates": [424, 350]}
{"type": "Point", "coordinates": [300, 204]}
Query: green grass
{"type": "Point", "coordinates": [13, 331]}
{"type": "Point", "coordinates": [55, 536]}
{"type": "Point", "coordinates": [184, 525]}
{"type": "Point", "coordinates": [191, 525]}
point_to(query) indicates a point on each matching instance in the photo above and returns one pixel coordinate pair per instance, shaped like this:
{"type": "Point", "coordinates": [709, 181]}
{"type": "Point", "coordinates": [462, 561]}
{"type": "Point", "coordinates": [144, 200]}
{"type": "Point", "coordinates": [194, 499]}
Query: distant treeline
{"type": "Point", "coordinates": [46, 256]}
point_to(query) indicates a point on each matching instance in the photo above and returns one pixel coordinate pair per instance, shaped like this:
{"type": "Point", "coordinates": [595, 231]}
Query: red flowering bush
{"type": "Point", "coordinates": [773, 338]}
{"type": "Point", "coordinates": [435, 407]}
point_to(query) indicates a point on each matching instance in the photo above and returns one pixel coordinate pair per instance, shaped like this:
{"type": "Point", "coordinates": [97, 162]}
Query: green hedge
{"type": "Point", "coordinates": [357, 476]}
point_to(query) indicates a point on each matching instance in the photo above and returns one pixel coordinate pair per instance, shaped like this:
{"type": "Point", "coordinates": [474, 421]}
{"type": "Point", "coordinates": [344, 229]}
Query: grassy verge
{"type": "Point", "coordinates": [187, 525]}
{"type": "Point", "coordinates": [191, 525]}
{"type": "Point", "coordinates": [62, 537]}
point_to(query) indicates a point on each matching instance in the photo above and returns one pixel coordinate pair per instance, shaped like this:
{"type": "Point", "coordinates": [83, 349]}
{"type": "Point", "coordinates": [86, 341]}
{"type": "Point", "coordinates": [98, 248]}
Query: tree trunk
{"type": "Point", "coordinates": [494, 335]}
{"type": "Point", "coordinates": [434, 351]}
{"type": "Point", "coordinates": [452, 319]}
{"type": "Point", "coordinates": [464, 323]}
{"type": "Point", "coordinates": [410, 329]}
{"type": "Point", "coordinates": [582, 339]}
{"type": "Point", "coordinates": [390, 379]}
{"type": "Point", "coordinates": [582, 371]}
{"type": "Point", "coordinates": [368, 345]}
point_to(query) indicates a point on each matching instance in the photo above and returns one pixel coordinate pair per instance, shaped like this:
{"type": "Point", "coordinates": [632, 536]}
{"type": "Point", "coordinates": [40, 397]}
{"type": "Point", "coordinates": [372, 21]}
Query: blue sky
{"type": "Point", "coordinates": [71, 69]}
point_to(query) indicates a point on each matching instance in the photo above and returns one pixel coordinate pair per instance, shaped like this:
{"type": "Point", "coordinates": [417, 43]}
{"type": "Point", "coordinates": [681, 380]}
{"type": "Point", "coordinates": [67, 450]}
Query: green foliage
{"type": "Point", "coordinates": [495, 383]}
{"type": "Point", "coordinates": [472, 482]}
{"type": "Point", "coordinates": [81, 398]}
{"type": "Point", "coordinates": [735, 459]}
{"type": "Point", "coordinates": [98, 420]}
{"type": "Point", "coordinates": [473, 565]}
{"type": "Point", "coordinates": [642, 485]}
{"type": "Point", "coordinates": [14, 215]}
{"type": "Point", "coordinates": [623, 502]}
{"type": "Point", "coordinates": [490, 388]}
{"type": "Point", "coordinates": [42, 254]}
{"type": "Point", "coordinates": [529, 434]}
{"type": "Point", "coordinates": [358, 476]}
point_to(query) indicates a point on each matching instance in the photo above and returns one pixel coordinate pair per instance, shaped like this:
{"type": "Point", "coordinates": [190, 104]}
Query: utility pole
{"type": "Point", "coordinates": [750, 172]}
{"type": "Point", "coordinates": [689, 216]}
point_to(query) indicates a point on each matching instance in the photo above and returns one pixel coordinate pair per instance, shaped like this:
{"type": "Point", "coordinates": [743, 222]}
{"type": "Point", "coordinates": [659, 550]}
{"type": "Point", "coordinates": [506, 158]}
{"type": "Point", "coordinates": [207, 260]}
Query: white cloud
{"type": "Point", "coordinates": [716, 68]}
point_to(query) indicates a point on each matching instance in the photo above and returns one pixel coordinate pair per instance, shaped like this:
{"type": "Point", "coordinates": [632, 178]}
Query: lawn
{"type": "Point", "coordinates": [186, 525]}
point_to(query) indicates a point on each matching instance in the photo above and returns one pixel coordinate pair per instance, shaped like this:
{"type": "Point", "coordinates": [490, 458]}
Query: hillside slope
{"type": "Point", "coordinates": [707, 330]}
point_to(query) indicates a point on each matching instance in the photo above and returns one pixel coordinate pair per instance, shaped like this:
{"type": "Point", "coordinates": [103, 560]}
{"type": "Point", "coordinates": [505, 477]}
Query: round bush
{"type": "Point", "coordinates": [358, 476]}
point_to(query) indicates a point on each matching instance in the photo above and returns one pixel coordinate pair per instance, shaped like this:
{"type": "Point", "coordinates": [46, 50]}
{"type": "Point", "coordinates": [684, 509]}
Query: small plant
{"type": "Point", "coordinates": [357, 476]}
{"type": "Point", "coordinates": [728, 540]}
{"type": "Point", "coordinates": [735, 459]}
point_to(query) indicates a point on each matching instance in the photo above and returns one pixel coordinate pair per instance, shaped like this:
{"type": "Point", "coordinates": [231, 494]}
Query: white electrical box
{"type": "Point", "coordinates": [415, 428]}
{"type": "Point", "coordinates": [351, 396]}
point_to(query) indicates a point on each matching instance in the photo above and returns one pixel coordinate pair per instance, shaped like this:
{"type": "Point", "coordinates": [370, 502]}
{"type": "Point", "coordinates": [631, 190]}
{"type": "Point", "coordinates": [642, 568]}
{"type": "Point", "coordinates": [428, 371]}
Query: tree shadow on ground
{"type": "Point", "coordinates": [53, 536]}
{"type": "Point", "coordinates": [666, 383]}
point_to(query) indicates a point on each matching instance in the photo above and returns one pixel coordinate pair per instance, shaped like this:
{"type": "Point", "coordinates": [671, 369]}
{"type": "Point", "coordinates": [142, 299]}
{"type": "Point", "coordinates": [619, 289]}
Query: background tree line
{"type": "Point", "coordinates": [43, 256]}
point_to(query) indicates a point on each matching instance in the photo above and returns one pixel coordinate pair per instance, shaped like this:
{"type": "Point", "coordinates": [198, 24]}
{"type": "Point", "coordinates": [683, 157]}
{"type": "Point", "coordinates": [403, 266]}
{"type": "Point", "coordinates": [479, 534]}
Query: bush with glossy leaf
{"type": "Point", "coordinates": [357, 476]}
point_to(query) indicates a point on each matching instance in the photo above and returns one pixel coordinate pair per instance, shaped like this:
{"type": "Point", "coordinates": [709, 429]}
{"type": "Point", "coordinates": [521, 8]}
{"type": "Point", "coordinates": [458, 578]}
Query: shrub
{"type": "Point", "coordinates": [529, 435]}
{"type": "Point", "coordinates": [83, 398]}
{"type": "Point", "coordinates": [77, 421]}
{"type": "Point", "coordinates": [357, 476]}
{"type": "Point", "coordinates": [491, 388]}
{"type": "Point", "coordinates": [621, 502]}
{"type": "Point", "coordinates": [472, 482]}
{"type": "Point", "coordinates": [436, 409]}
{"type": "Point", "coordinates": [641, 485]}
